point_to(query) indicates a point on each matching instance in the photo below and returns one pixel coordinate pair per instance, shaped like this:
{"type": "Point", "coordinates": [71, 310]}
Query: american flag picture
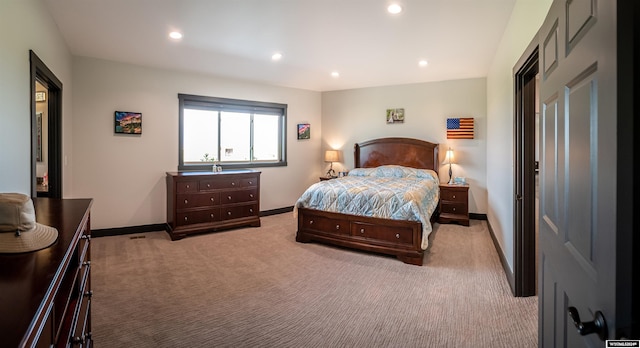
{"type": "Point", "coordinates": [460, 128]}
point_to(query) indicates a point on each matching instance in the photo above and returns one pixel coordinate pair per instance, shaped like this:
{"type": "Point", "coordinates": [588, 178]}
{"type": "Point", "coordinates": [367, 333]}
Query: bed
{"type": "Point", "coordinates": [404, 235]}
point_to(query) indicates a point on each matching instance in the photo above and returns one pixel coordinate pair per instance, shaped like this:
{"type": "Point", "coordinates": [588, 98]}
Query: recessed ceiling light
{"type": "Point", "coordinates": [423, 63]}
{"type": "Point", "coordinates": [394, 9]}
{"type": "Point", "coordinates": [175, 35]}
{"type": "Point", "coordinates": [335, 74]}
{"type": "Point", "coordinates": [276, 56]}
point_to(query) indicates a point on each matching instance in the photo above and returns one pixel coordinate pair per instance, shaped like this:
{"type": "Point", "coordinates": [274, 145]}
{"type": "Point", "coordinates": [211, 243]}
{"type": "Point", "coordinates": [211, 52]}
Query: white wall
{"type": "Point", "coordinates": [526, 19]}
{"type": "Point", "coordinates": [27, 25]}
{"type": "Point", "coordinates": [125, 174]}
{"type": "Point", "coordinates": [351, 116]}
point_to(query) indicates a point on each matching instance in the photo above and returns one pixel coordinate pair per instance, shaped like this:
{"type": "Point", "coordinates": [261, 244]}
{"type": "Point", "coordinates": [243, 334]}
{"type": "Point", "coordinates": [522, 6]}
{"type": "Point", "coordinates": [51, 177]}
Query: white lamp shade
{"type": "Point", "coordinates": [331, 156]}
{"type": "Point", "coordinates": [448, 159]}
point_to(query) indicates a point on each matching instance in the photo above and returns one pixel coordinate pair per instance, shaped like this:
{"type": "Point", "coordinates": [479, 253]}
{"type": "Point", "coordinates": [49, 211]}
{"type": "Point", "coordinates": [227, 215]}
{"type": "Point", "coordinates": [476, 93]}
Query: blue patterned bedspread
{"type": "Point", "coordinates": [389, 192]}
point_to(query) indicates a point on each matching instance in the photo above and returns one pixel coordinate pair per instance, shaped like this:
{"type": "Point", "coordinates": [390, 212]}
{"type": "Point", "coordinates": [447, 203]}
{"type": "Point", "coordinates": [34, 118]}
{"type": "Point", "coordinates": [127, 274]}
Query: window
{"type": "Point", "coordinates": [232, 133]}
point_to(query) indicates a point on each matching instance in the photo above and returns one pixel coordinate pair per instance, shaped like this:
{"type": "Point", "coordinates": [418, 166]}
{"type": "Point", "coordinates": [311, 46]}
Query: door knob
{"type": "Point", "coordinates": [598, 325]}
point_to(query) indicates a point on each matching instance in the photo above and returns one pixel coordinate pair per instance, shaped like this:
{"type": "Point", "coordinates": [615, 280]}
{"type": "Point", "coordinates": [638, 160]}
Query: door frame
{"type": "Point", "coordinates": [628, 160]}
{"type": "Point", "coordinates": [39, 71]}
{"type": "Point", "coordinates": [525, 239]}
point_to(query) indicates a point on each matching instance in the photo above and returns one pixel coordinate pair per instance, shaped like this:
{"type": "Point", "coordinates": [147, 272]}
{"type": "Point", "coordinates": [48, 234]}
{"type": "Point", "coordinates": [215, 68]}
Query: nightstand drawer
{"type": "Point", "coordinates": [454, 208]}
{"type": "Point", "coordinates": [453, 195]}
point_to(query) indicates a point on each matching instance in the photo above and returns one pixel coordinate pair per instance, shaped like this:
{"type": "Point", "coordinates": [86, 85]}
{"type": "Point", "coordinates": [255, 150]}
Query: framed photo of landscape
{"type": "Point", "coordinates": [127, 122]}
{"type": "Point", "coordinates": [304, 131]}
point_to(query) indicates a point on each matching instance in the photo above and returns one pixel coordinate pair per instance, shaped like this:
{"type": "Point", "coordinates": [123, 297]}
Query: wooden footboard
{"type": "Point", "coordinates": [392, 237]}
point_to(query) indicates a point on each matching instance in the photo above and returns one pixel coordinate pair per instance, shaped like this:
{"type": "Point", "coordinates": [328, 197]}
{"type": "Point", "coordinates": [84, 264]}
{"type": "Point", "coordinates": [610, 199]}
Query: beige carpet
{"type": "Point", "coordinates": [257, 287]}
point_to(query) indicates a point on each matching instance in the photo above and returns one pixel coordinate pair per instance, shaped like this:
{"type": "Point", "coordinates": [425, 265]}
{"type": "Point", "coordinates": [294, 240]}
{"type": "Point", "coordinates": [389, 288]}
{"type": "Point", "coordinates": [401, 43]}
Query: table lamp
{"type": "Point", "coordinates": [331, 156]}
{"type": "Point", "coordinates": [449, 160]}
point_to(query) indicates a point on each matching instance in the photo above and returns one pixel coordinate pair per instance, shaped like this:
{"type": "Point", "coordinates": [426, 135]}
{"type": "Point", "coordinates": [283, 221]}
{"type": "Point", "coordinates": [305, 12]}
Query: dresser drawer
{"type": "Point", "coordinates": [453, 207]}
{"type": "Point", "coordinates": [219, 183]}
{"type": "Point", "coordinates": [186, 186]}
{"type": "Point", "coordinates": [382, 233]}
{"type": "Point", "coordinates": [453, 195]}
{"type": "Point", "coordinates": [197, 217]}
{"type": "Point", "coordinates": [81, 335]}
{"type": "Point", "coordinates": [188, 201]}
{"type": "Point", "coordinates": [237, 212]}
{"type": "Point", "coordinates": [249, 182]}
{"type": "Point", "coordinates": [321, 223]}
{"type": "Point", "coordinates": [238, 196]}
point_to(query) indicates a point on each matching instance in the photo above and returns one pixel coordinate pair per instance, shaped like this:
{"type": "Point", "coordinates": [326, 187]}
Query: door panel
{"type": "Point", "coordinates": [550, 177]}
{"type": "Point", "coordinates": [580, 122]}
{"type": "Point", "coordinates": [578, 170]}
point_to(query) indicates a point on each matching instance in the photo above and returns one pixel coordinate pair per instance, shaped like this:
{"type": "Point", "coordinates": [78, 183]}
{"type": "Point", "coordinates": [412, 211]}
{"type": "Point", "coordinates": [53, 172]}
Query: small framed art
{"type": "Point", "coordinates": [41, 96]}
{"type": "Point", "coordinates": [128, 122]}
{"type": "Point", "coordinates": [304, 131]}
{"type": "Point", "coordinates": [395, 115]}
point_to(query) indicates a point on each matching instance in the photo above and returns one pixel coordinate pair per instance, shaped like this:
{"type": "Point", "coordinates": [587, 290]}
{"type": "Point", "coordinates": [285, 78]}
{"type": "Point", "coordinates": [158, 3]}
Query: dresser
{"type": "Point", "coordinates": [45, 295]}
{"type": "Point", "coordinates": [210, 201]}
{"type": "Point", "coordinates": [454, 204]}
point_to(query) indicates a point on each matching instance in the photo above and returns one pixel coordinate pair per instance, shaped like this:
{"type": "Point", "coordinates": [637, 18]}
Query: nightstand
{"type": "Point", "coordinates": [454, 204]}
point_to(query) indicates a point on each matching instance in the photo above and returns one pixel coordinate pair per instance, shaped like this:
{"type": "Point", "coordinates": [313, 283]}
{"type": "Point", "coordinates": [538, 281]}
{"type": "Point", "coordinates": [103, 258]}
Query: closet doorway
{"type": "Point", "coordinates": [46, 130]}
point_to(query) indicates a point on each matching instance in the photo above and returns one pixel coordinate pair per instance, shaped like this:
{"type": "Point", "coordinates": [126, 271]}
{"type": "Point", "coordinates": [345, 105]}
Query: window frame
{"type": "Point", "coordinates": [232, 105]}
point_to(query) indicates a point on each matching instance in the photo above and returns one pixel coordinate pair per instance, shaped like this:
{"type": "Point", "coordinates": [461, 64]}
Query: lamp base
{"type": "Point", "coordinates": [331, 173]}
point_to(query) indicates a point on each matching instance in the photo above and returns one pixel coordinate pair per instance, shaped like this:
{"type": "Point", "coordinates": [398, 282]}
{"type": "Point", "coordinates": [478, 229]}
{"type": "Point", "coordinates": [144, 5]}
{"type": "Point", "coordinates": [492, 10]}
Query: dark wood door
{"type": "Point", "coordinates": [578, 172]}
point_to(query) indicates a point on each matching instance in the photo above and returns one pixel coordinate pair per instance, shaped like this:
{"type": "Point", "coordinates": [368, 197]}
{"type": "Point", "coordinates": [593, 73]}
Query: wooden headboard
{"type": "Point", "coordinates": [406, 152]}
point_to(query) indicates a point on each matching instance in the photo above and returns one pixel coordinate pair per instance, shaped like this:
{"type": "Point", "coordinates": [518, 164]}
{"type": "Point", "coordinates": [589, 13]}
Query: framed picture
{"type": "Point", "coordinates": [395, 115]}
{"type": "Point", "coordinates": [41, 96]}
{"type": "Point", "coordinates": [304, 131]}
{"type": "Point", "coordinates": [128, 122]}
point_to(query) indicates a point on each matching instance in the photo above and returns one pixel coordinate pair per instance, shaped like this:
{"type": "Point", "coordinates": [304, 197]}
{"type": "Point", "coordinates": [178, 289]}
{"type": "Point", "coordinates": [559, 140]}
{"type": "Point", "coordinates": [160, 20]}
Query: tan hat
{"type": "Point", "coordinates": [19, 231]}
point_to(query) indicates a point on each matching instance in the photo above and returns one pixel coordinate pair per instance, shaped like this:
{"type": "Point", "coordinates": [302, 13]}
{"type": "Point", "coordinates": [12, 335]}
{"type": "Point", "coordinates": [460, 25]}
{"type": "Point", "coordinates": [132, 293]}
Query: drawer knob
{"type": "Point", "coordinates": [250, 182]}
{"type": "Point", "coordinates": [454, 209]}
{"type": "Point", "coordinates": [251, 210]}
{"type": "Point", "coordinates": [362, 230]}
{"type": "Point", "coordinates": [211, 199]}
{"type": "Point", "coordinates": [233, 184]}
{"type": "Point", "coordinates": [186, 201]}
{"type": "Point", "coordinates": [212, 215]}
{"type": "Point", "coordinates": [229, 213]}
{"type": "Point", "coordinates": [186, 218]}
{"type": "Point", "coordinates": [337, 227]}
{"type": "Point", "coordinates": [398, 235]}
{"type": "Point", "coordinates": [208, 185]}
{"type": "Point", "coordinates": [188, 186]}
{"type": "Point", "coordinates": [311, 222]}
{"type": "Point", "coordinates": [454, 196]}
{"type": "Point", "coordinates": [251, 195]}
{"type": "Point", "coordinates": [229, 197]}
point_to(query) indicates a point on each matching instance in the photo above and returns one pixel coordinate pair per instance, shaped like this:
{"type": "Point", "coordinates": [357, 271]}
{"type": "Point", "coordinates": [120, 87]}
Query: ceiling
{"type": "Point", "coordinates": [236, 38]}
